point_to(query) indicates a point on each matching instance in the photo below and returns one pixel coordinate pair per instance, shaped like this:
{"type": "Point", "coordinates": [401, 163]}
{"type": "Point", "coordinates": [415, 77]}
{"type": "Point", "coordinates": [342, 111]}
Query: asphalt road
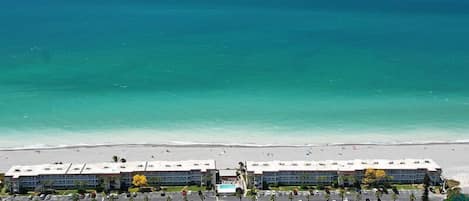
{"type": "Point", "coordinates": [210, 196]}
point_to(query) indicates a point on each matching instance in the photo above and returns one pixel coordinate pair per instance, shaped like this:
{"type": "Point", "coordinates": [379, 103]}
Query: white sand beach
{"type": "Point", "coordinates": [453, 158]}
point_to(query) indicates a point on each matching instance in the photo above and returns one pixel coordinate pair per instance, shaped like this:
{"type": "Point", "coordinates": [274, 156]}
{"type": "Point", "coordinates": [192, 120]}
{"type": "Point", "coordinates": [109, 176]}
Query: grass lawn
{"type": "Point", "coordinates": [66, 192]}
{"type": "Point", "coordinates": [408, 186]}
{"type": "Point", "coordinates": [179, 188]}
{"type": "Point", "coordinates": [133, 190]}
{"type": "Point", "coordinates": [285, 188]}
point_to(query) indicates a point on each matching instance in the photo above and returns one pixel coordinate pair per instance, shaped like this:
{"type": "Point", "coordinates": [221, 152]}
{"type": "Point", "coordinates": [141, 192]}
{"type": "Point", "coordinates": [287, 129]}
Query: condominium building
{"type": "Point", "coordinates": [110, 175]}
{"type": "Point", "coordinates": [407, 171]}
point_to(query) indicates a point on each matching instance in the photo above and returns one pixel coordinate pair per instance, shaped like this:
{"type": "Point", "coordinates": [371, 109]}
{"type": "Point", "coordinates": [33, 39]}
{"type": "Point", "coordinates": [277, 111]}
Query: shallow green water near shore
{"type": "Point", "coordinates": [197, 72]}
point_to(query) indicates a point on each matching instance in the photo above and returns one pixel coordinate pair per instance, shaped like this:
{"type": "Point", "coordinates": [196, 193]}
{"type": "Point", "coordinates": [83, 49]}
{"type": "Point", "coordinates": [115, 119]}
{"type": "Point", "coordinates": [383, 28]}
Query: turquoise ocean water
{"type": "Point", "coordinates": [233, 72]}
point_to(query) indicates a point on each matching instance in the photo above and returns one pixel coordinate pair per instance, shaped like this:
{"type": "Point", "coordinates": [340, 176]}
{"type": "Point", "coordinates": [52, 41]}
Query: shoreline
{"type": "Point", "coordinates": [224, 145]}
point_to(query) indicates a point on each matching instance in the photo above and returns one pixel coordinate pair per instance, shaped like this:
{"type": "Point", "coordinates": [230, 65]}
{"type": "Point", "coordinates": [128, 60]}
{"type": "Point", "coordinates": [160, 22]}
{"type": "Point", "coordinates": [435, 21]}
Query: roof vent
{"type": "Point", "coordinates": [59, 168]}
{"type": "Point", "coordinates": [416, 162]}
{"type": "Point", "coordinates": [265, 164]}
{"type": "Point", "coordinates": [282, 164]}
{"type": "Point", "coordinates": [29, 170]}
{"type": "Point", "coordinates": [17, 170]}
{"type": "Point", "coordinates": [150, 165]}
{"type": "Point", "coordinates": [142, 165]}
{"type": "Point", "coordinates": [106, 167]}
{"type": "Point", "coordinates": [391, 162]}
{"type": "Point", "coordinates": [46, 169]}
{"type": "Point", "coordinates": [207, 164]}
{"type": "Point", "coordinates": [402, 163]}
{"type": "Point", "coordinates": [294, 164]}
{"type": "Point", "coordinates": [122, 167]}
{"type": "Point", "coordinates": [179, 165]}
{"type": "Point", "coordinates": [349, 163]}
{"type": "Point", "coordinates": [196, 164]}
{"type": "Point", "coordinates": [167, 165]}
{"type": "Point", "coordinates": [255, 164]}
{"type": "Point", "coordinates": [88, 168]}
{"type": "Point", "coordinates": [76, 168]}
{"type": "Point", "coordinates": [334, 163]}
{"type": "Point", "coordinates": [307, 164]}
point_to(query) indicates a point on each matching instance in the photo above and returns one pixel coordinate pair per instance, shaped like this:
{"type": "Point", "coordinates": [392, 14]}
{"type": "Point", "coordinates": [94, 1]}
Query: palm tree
{"type": "Point", "coordinates": [201, 196]}
{"type": "Point", "coordinates": [253, 197]}
{"type": "Point", "coordinates": [115, 158]}
{"type": "Point", "coordinates": [241, 165]}
{"type": "Point", "coordinates": [412, 197]}
{"type": "Point", "coordinates": [394, 196]}
{"type": "Point", "coordinates": [75, 197]}
{"type": "Point", "coordinates": [426, 186]}
{"type": "Point", "coordinates": [327, 196]}
{"type": "Point", "coordinates": [342, 193]}
{"type": "Point", "coordinates": [308, 196]}
{"type": "Point", "coordinates": [290, 196]}
{"type": "Point", "coordinates": [208, 180]}
{"type": "Point", "coordinates": [378, 195]}
{"type": "Point", "coordinates": [239, 195]}
{"type": "Point", "coordinates": [169, 198]}
{"type": "Point", "coordinates": [358, 197]}
{"type": "Point", "coordinates": [272, 197]}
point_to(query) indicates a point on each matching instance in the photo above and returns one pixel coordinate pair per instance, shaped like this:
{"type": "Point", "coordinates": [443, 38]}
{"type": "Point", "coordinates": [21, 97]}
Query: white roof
{"type": "Point", "coordinates": [35, 170]}
{"type": "Point", "coordinates": [202, 165]}
{"type": "Point", "coordinates": [109, 167]}
{"type": "Point", "coordinates": [258, 167]}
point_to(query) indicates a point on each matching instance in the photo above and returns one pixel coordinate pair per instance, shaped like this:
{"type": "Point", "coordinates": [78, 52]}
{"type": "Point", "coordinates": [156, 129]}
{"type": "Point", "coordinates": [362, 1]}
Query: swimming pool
{"type": "Point", "coordinates": [226, 188]}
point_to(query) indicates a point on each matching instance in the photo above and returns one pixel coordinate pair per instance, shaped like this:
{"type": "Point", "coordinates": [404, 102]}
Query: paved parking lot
{"type": "Point", "coordinates": [210, 196]}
